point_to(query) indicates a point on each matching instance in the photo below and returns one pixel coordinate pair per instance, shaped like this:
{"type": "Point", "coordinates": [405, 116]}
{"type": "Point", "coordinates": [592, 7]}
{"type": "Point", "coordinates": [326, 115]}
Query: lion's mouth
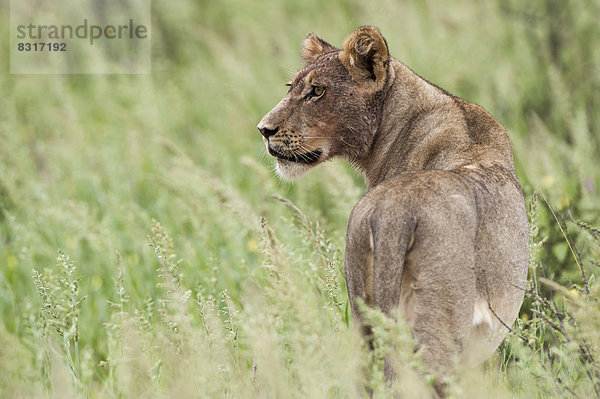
{"type": "Point", "coordinates": [305, 158]}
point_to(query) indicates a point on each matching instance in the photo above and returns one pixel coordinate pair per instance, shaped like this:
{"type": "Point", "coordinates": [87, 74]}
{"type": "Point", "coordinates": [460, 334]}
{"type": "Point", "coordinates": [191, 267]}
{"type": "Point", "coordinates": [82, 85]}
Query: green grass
{"type": "Point", "coordinates": [245, 295]}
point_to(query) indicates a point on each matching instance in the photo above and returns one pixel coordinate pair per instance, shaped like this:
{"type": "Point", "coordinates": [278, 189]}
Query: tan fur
{"type": "Point", "coordinates": [313, 47]}
{"type": "Point", "coordinates": [441, 235]}
{"type": "Point", "coordinates": [365, 55]}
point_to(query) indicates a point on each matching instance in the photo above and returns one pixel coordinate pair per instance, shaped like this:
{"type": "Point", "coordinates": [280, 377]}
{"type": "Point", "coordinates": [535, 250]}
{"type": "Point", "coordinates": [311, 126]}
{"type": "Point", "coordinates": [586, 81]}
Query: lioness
{"type": "Point", "coordinates": [441, 234]}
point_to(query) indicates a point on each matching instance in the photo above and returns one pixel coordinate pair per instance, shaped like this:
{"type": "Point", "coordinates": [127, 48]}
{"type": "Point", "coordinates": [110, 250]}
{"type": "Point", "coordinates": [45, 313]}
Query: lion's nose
{"type": "Point", "coordinates": [267, 131]}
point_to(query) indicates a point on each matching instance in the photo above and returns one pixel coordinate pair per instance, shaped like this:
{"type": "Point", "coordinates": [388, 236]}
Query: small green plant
{"type": "Point", "coordinates": [58, 290]}
{"type": "Point", "coordinates": [554, 345]}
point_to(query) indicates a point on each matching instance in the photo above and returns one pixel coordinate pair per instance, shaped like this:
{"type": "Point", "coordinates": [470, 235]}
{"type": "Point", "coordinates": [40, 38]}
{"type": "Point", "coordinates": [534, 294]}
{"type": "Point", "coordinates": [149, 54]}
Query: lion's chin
{"type": "Point", "coordinates": [289, 170]}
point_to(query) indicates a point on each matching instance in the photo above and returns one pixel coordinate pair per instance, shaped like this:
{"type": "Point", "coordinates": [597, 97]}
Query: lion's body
{"type": "Point", "coordinates": [441, 234]}
{"type": "Point", "coordinates": [427, 243]}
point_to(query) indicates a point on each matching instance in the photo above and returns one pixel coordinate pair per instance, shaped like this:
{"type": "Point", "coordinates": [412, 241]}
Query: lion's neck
{"type": "Point", "coordinates": [419, 129]}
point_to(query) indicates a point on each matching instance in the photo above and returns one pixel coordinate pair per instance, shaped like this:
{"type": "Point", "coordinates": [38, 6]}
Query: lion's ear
{"type": "Point", "coordinates": [366, 55]}
{"type": "Point", "coordinates": [313, 47]}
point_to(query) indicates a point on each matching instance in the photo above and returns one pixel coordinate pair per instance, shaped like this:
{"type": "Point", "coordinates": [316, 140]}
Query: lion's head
{"type": "Point", "coordinates": [333, 105]}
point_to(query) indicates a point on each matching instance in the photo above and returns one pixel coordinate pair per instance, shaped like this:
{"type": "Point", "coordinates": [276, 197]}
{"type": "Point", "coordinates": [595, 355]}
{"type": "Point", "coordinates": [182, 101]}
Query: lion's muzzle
{"type": "Point", "coordinates": [305, 157]}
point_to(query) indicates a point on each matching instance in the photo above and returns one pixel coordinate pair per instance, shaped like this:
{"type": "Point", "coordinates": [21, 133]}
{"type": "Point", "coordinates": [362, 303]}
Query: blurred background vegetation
{"type": "Point", "coordinates": [88, 161]}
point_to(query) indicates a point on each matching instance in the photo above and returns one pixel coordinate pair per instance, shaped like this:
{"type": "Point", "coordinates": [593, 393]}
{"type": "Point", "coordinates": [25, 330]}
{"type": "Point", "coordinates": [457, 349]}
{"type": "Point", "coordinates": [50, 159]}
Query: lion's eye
{"type": "Point", "coordinates": [317, 91]}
